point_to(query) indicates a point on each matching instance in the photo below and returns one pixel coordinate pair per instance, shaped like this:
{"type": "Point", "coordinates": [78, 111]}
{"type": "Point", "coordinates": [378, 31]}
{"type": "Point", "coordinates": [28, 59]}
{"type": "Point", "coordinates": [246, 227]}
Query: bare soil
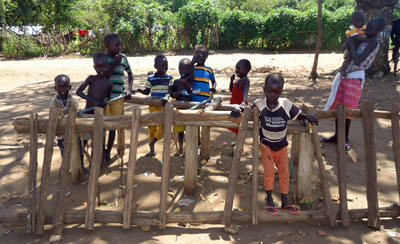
{"type": "Point", "coordinates": [27, 86]}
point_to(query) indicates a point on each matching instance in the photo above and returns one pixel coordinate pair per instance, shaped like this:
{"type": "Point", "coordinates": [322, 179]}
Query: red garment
{"type": "Point", "coordinates": [237, 98]}
{"type": "Point", "coordinates": [83, 32]}
{"type": "Point", "coordinates": [349, 93]}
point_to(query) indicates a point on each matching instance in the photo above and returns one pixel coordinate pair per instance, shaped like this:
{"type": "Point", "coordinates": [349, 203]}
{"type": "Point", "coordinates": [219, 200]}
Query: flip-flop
{"type": "Point", "coordinates": [347, 147]}
{"type": "Point", "coordinates": [291, 209]}
{"type": "Point", "coordinates": [273, 210]}
{"type": "Point", "coordinates": [328, 139]}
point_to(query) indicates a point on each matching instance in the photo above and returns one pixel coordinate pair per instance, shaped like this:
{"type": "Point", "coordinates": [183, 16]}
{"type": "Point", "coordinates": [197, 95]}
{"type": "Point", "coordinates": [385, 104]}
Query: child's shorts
{"type": "Point", "coordinates": [115, 108]}
{"type": "Point", "coordinates": [179, 129]}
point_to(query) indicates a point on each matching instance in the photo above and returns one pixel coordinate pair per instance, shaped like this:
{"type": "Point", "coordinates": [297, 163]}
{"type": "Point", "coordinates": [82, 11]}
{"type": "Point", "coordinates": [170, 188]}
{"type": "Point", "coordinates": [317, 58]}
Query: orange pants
{"type": "Point", "coordinates": [280, 159]}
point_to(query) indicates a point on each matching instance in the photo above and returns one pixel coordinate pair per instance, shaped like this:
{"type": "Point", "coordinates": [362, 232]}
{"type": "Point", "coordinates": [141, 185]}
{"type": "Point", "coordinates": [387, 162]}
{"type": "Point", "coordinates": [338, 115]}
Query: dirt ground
{"type": "Point", "coordinates": [27, 86]}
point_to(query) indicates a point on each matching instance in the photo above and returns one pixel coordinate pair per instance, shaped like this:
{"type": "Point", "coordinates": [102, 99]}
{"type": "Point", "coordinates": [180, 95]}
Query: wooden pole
{"type": "Point", "coordinates": [191, 159]}
{"type": "Point", "coordinates": [370, 157]}
{"type": "Point", "coordinates": [48, 154]}
{"type": "Point", "coordinates": [150, 218]}
{"type": "Point", "coordinates": [237, 153]}
{"type": "Point", "coordinates": [33, 164]}
{"type": "Point", "coordinates": [304, 169]}
{"type": "Point", "coordinates": [98, 138]}
{"type": "Point", "coordinates": [165, 163]}
{"type": "Point", "coordinates": [396, 142]}
{"type": "Point", "coordinates": [205, 131]}
{"type": "Point", "coordinates": [255, 162]}
{"type": "Point", "coordinates": [136, 111]}
{"type": "Point", "coordinates": [330, 212]}
{"type": "Point", "coordinates": [64, 176]}
{"type": "Point", "coordinates": [341, 140]}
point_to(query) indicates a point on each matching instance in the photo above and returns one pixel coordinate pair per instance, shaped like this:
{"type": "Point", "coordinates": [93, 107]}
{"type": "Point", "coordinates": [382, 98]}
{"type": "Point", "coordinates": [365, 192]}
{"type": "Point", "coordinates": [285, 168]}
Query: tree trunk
{"type": "Point", "coordinates": [379, 8]}
{"type": "Point", "coordinates": [314, 73]}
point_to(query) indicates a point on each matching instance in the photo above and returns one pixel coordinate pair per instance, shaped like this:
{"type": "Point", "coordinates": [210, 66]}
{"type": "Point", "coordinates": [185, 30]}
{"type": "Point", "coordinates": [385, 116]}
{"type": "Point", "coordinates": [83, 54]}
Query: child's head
{"type": "Point", "coordinates": [273, 87]}
{"type": "Point", "coordinates": [358, 19]}
{"type": "Point", "coordinates": [100, 63]}
{"type": "Point", "coordinates": [161, 64]}
{"type": "Point", "coordinates": [112, 43]}
{"type": "Point", "coordinates": [374, 27]}
{"type": "Point", "coordinates": [243, 67]}
{"type": "Point", "coordinates": [202, 52]}
{"type": "Point", "coordinates": [184, 67]}
{"type": "Point", "coordinates": [62, 85]}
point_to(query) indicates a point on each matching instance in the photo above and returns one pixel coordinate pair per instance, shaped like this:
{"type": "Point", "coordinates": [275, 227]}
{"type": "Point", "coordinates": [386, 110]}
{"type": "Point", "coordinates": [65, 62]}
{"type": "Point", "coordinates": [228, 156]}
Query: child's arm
{"type": "Point", "coordinates": [358, 59]}
{"type": "Point", "coordinates": [346, 63]}
{"type": "Point", "coordinates": [130, 83]}
{"type": "Point", "coordinates": [310, 118]}
{"type": "Point", "coordinates": [361, 38]}
{"type": "Point", "coordinates": [82, 87]}
{"type": "Point", "coordinates": [117, 61]}
{"type": "Point", "coordinates": [245, 87]}
{"type": "Point", "coordinates": [214, 86]}
{"type": "Point", "coordinates": [231, 83]}
{"type": "Point", "coordinates": [146, 91]}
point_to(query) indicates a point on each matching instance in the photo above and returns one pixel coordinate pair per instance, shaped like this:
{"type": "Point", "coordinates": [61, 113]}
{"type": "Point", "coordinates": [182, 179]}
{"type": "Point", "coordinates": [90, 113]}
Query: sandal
{"type": "Point", "coordinates": [329, 139]}
{"type": "Point", "coordinates": [273, 210]}
{"type": "Point", "coordinates": [291, 209]}
{"type": "Point", "coordinates": [347, 147]}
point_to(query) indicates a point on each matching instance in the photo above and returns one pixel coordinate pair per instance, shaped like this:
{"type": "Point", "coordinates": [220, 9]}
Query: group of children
{"type": "Point", "coordinates": [194, 85]}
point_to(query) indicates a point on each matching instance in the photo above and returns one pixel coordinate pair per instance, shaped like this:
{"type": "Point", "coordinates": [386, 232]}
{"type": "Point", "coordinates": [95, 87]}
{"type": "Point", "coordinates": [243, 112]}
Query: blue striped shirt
{"type": "Point", "coordinates": [158, 84]}
{"type": "Point", "coordinates": [203, 75]}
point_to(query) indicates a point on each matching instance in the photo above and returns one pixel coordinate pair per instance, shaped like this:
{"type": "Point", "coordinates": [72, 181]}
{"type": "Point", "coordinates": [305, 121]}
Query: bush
{"type": "Point", "coordinates": [21, 46]}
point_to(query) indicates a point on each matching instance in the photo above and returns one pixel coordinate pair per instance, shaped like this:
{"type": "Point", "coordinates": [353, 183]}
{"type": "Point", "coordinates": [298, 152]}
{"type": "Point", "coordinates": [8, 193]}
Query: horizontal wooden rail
{"type": "Point", "coordinates": [151, 218]}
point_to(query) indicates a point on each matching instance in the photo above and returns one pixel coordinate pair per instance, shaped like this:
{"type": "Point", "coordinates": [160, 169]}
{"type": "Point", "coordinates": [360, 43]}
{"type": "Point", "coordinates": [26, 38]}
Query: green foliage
{"type": "Point", "coordinates": [19, 47]}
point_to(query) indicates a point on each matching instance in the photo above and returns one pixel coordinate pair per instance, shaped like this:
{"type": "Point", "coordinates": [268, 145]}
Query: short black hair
{"type": "Point", "coordinates": [61, 78]}
{"type": "Point", "coordinates": [110, 36]}
{"type": "Point", "coordinates": [379, 22]}
{"type": "Point", "coordinates": [100, 56]}
{"type": "Point", "coordinates": [201, 47]}
{"type": "Point", "coordinates": [184, 61]}
{"type": "Point", "coordinates": [246, 63]}
{"type": "Point", "coordinates": [275, 78]}
{"type": "Point", "coordinates": [159, 58]}
{"type": "Point", "coordinates": [358, 15]}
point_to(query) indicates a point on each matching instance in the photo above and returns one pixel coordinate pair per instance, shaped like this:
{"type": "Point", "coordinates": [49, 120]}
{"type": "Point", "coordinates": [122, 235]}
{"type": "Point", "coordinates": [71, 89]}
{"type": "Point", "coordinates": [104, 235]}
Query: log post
{"type": "Point", "coordinates": [205, 131]}
{"type": "Point", "coordinates": [48, 154]}
{"type": "Point", "coordinates": [296, 148]}
{"type": "Point", "coordinates": [136, 111]}
{"type": "Point", "coordinates": [64, 176]}
{"type": "Point", "coordinates": [32, 180]}
{"type": "Point", "coordinates": [304, 169]}
{"type": "Point", "coordinates": [98, 138]}
{"type": "Point", "coordinates": [169, 117]}
{"type": "Point", "coordinates": [367, 113]}
{"type": "Point", "coordinates": [330, 212]}
{"type": "Point", "coordinates": [237, 153]}
{"type": "Point", "coordinates": [341, 140]}
{"type": "Point", "coordinates": [255, 162]}
{"type": "Point", "coordinates": [191, 158]}
{"type": "Point", "coordinates": [396, 142]}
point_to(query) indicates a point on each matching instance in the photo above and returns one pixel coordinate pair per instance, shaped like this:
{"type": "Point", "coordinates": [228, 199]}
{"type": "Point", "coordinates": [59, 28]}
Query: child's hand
{"type": "Point", "coordinates": [242, 105]}
{"type": "Point", "coordinates": [233, 77]}
{"type": "Point", "coordinates": [311, 118]}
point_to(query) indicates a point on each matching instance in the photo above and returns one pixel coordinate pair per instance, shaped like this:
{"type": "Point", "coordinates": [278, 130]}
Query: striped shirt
{"type": "Point", "coordinates": [159, 85]}
{"type": "Point", "coordinates": [367, 62]}
{"type": "Point", "coordinates": [273, 128]}
{"type": "Point", "coordinates": [203, 75]}
{"type": "Point", "coordinates": [118, 75]}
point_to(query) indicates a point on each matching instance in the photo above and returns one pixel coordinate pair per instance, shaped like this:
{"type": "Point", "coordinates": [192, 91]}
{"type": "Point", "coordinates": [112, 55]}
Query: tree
{"type": "Point", "coordinates": [318, 47]}
{"type": "Point", "coordinates": [379, 8]}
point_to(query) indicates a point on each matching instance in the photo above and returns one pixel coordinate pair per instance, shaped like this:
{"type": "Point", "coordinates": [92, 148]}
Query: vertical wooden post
{"type": "Point", "coordinates": [64, 176]}
{"type": "Point", "coordinates": [230, 193]}
{"type": "Point", "coordinates": [396, 142]}
{"type": "Point", "coordinates": [296, 145]}
{"type": "Point", "coordinates": [304, 169]}
{"type": "Point", "coordinates": [48, 154]}
{"type": "Point", "coordinates": [205, 143]}
{"type": "Point", "coordinates": [255, 162]}
{"type": "Point", "coordinates": [330, 212]}
{"type": "Point", "coordinates": [33, 164]}
{"type": "Point", "coordinates": [191, 158]}
{"type": "Point", "coordinates": [367, 109]}
{"type": "Point", "coordinates": [98, 138]}
{"type": "Point", "coordinates": [136, 111]}
{"type": "Point", "coordinates": [341, 140]}
{"type": "Point", "coordinates": [168, 119]}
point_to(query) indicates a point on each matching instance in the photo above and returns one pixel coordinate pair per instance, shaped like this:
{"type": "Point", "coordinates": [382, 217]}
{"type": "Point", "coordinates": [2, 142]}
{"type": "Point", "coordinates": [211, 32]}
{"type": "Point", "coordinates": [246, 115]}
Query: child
{"type": "Point", "coordinates": [240, 87]}
{"type": "Point", "coordinates": [118, 65]}
{"type": "Point", "coordinates": [62, 100]}
{"type": "Point", "coordinates": [348, 90]}
{"type": "Point", "coordinates": [202, 75]}
{"type": "Point", "coordinates": [357, 32]}
{"type": "Point", "coordinates": [181, 89]}
{"type": "Point", "coordinates": [274, 115]}
{"type": "Point", "coordinates": [158, 85]}
{"type": "Point", "coordinates": [100, 88]}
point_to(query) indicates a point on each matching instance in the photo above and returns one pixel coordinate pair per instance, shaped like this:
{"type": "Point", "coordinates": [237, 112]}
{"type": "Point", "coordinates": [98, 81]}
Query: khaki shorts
{"type": "Point", "coordinates": [115, 108]}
